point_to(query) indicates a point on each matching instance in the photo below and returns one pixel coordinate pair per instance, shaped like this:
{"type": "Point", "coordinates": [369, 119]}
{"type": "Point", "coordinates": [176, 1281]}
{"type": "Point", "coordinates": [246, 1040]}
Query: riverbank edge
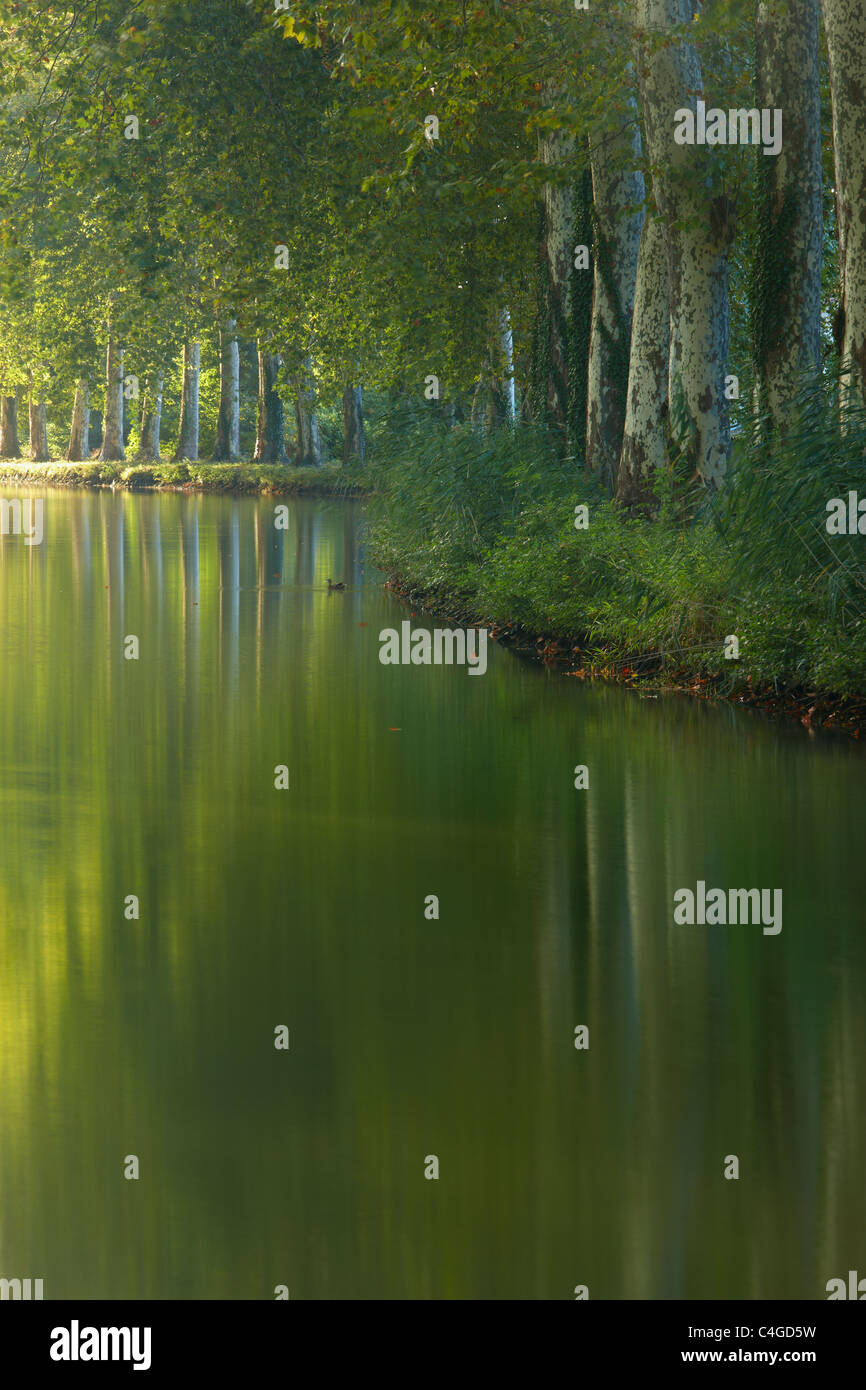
{"type": "Point", "coordinates": [568, 656]}
{"type": "Point", "coordinates": [231, 479]}
{"type": "Point", "coordinates": [571, 657]}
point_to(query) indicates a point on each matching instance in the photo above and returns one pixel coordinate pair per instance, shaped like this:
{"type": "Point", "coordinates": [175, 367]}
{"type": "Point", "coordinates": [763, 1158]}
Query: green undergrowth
{"type": "Point", "coordinates": [484, 526]}
{"type": "Point", "coordinates": [199, 477]}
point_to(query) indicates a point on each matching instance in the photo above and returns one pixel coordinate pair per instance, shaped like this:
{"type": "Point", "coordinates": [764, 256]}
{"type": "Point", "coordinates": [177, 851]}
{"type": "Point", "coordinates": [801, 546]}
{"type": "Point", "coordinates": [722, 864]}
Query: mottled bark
{"type": "Point", "coordinates": [309, 443]}
{"type": "Point", "coordinates": [697, 225]}
{"type": "Point", "coordinates": [79, 434]}
{"type": "Point", "coordinates": [845, 28]}
{"type": "Point", "coordinates": [9, 445]}
{"type": "Point", "coordinates": [786, 291]}
{"type": "Point", "coordinates": [112, 428]}
{"type": "Point", "coordinates": [556, 252]}
{"type": "Point", "coordinates": [354, 443]}
{"type": "Point", "coordinates": [271, 430]}
{"type": "Point", "coordinates": [618, 192]}
{"type": "Point", "coordinates": [151, 420]}
{"type": "Point", "coordinates": [227, 446]}
{"type": "Point", "coordinates": [643, 445]}
{"type": "Point", "coordinates": [187, 440]}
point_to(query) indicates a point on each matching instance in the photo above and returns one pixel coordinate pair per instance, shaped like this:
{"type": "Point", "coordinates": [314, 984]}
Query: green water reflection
{"type": "Point", "coordinates": [409, 1037]}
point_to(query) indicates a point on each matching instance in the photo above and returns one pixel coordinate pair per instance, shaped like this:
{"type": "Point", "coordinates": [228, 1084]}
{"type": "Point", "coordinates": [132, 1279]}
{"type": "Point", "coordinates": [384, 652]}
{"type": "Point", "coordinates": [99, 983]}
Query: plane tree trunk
{"type": "Point", "coordinates": [786, 290]}
{"type": "Point", "coordinates": [618, 193]}
{"type": "Point", "coordinates": [9, 445]}
{"type": "Point", "coordinates": [845, 29]}
{"type": "Point", "coordinates": [309, 443]}
{"type": "Point", "coordinates": [79, 434]}
{"type": "Point", "coordinates": [354, 443]}
{"type": "Point", "coordinates": [151, 420]}
{"type": "Point", "coordinates": [112, 426]}
{"type": "Point", "coordinates": [644, 434]}
{"type": "Point", "coordinates": [697, 223]}
{"type": "Point", "coordinates": [187, 441]}
{"type": "Point", "coordinates": [271, 429]}
{"type": "Point", "coordinates": [227, 446]}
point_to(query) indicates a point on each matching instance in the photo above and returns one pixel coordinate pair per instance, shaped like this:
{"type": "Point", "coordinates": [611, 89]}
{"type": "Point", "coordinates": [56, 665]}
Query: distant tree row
{"type": "Point", "coordinates": [505, 211]}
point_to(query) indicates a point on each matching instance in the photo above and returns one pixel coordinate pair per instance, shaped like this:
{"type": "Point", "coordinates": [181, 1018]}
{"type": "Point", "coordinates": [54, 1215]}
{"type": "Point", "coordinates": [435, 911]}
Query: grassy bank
{"type": "Point", "coordinates": [241, 478]}
{"type": "Point", "coordinates": [483, 529]}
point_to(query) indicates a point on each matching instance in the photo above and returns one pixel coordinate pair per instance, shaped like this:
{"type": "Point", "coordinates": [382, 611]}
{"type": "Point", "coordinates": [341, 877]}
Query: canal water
{"type": "Point", "coordinates": [146, 785]}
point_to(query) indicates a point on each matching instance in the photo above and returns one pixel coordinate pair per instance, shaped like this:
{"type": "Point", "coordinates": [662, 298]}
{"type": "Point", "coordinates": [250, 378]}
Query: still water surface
{"type": "Point", "coordinates": [408, 1037]}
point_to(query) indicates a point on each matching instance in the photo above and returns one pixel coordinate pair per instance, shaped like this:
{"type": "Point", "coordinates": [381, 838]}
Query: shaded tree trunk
{"type": "Point", "coordinates": [79, 434]}
{"type": "Point", "coordinates": [187, 440]}
{"type": "Point", "coordinates": [644, 435]}
{"type": "Point", "coordinates": [38, 430]}
{"type": "Point", "coordinates": [556, 251]}
{"type": "Point", "coordinates": [112, 429]}
{"type": "Point", "coordinates": [354, 443]}
{"type": "Point", "coordinates": [128, 414]}
{"type": "Point", "coordinates": [580, 320]}
{"type": "Point", "coordinates": [618, 193]}
{"type": "Point", "coordinates": [95, 431]}
{"type": "Point", "coordinates": [271, 429]}
{"type": "Point", "coordinates": [151, 419]}
{"type": "Point", "coordinates": [9, 445]}
{"type": "Point", "coordinates": [697, 222]}
{"type": "Point", "coordinates": [309, 443]}
{"type": "Point", "coordinates": [786, 280]}
{"type": "Point", "coordinates": [227, 446]}
{"type": "Point", "coordinates": [845, 29]}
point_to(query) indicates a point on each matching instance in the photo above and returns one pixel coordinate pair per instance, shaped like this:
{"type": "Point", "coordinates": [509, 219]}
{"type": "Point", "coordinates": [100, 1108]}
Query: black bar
{"type": "Point", "coordinates": [216, 1340]}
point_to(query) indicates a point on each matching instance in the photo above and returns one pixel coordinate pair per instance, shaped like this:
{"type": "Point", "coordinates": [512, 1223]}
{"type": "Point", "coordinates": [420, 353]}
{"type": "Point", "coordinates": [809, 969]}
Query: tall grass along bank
{"type": "Point", "coordinates": [498, 528]}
